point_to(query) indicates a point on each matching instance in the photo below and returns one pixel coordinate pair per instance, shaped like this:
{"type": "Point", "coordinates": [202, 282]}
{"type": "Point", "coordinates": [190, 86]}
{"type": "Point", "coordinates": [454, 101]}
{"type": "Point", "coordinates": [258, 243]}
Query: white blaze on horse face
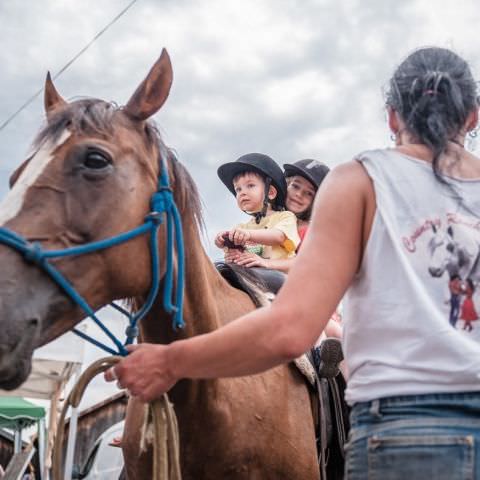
{"type": "Point", "coordinates": [13, 202]}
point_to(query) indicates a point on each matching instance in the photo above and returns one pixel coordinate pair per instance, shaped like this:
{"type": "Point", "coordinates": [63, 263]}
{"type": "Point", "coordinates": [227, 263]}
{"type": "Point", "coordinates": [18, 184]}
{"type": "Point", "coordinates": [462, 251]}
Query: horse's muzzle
{"type": "Point", "coordinates": [15, 363]}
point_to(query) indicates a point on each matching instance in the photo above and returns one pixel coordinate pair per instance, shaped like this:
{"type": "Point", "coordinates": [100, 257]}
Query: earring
{"type": "Point", "coordinates": [393, 137]}
{"type": "Point", "coordinates": [471, 140]}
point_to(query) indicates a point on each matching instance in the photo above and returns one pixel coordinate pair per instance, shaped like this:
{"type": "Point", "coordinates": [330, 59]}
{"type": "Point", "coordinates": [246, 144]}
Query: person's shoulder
{"type": "Point", "coordinates": [350, 174]}
{"type": "Point", "coordinates": [283, 214]}
{"type": "Point", "coordinates": [373, 154]}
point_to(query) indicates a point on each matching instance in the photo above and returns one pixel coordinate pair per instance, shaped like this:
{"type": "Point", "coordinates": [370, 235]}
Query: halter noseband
{"type": "Point", "coordinates": [162, 205]}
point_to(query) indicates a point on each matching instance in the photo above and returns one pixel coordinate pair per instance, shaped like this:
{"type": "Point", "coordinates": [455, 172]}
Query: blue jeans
{"type": "Point", "coordinates": [415, 437]}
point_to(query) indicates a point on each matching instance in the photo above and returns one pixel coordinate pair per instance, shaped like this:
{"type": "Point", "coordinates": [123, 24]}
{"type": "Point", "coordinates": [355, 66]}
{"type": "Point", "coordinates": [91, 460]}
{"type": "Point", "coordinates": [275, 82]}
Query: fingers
{"type": "Point", "coordinates": [219, 240]}
{"type": "Point", "coordinates": [156, 377]}
{"type": "Point", "coordinates": [248, 259]}
{"type": "Point", "coordinates": [110, 375]}
{"type": "Point", "coordinates": [250, 262]}
{"type": "Point", "coordinates": [238, 236]}
{"type": "Point", "coordinates": [232, 255]}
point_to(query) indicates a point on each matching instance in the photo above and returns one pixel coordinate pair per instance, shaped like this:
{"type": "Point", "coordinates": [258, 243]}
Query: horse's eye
{"type": "Point", "coordinates": [96, 161]}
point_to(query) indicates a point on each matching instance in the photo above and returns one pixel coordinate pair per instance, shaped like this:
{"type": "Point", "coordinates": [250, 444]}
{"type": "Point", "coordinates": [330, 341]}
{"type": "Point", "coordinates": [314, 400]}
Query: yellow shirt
{"type": "Point", "coordinates": [286, 222]}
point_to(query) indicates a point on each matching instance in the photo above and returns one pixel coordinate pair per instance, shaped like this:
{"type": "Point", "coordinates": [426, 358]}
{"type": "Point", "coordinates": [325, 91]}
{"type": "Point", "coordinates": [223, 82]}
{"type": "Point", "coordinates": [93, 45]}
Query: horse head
{"type": "Point", "coordinates": [451, 251]}
{"type": "Point", "coordinates": [92, 172]}
{"type": "Point", "coordinates": [441, 247]}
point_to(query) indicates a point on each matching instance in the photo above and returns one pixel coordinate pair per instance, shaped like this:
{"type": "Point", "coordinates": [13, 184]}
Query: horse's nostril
{"type": "Point", "coordinates": [33, 322]}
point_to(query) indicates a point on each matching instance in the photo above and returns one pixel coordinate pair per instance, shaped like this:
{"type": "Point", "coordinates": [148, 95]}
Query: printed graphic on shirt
{"type": "Point", "coordinates": [255, 248]}
{"type": "Point", "coordinates": [451, 246]}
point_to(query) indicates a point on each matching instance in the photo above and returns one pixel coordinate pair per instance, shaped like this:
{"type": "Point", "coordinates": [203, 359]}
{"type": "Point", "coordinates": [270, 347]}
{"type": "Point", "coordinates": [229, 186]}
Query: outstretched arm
{"type": "Point", "coordinates": [268, 236]}
{"type": "Point", "coordinates": [326, 265]}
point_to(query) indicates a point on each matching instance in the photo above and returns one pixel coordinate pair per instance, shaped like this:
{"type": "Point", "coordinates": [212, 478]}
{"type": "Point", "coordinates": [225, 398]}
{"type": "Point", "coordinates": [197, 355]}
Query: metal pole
{"type": "Point", "coordinates": [41, 446]}
{"type": "Point", "coordinates": [17, 445]}
{"type": "Point", "coordinates": [72, 434]}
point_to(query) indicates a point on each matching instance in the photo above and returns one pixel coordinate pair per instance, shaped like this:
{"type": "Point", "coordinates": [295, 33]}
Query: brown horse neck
{"type": "Point", "coordinates": [209, 301]}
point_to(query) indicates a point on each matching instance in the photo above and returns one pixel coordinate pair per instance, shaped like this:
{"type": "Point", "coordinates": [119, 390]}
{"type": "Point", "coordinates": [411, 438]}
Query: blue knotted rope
{"type": "Point", "coordinates": [162, 207]}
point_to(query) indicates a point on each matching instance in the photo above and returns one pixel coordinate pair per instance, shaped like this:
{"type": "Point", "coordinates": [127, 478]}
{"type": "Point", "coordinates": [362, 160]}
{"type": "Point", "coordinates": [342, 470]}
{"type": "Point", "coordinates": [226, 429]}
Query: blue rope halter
{"type": "Point", "coordinates": [162, 205]}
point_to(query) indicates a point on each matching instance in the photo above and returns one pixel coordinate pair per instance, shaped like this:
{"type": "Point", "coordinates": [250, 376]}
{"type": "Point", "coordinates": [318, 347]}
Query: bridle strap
{"type": "Point", "coordinates": [162, 207]}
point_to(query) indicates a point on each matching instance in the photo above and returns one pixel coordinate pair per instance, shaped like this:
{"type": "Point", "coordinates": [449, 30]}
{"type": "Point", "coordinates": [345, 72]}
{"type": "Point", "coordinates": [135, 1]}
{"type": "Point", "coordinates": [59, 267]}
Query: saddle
{"type": "Point", "coordinates": [256, 282]}
{"type": "Point", "coordinates": [273, 279]}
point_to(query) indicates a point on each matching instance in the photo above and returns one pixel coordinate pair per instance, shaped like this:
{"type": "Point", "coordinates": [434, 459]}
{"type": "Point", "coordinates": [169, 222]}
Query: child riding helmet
{"type": "Point", "coordinates": [312, 170]}
{"type": "Point", "coordinates": [267, 168]}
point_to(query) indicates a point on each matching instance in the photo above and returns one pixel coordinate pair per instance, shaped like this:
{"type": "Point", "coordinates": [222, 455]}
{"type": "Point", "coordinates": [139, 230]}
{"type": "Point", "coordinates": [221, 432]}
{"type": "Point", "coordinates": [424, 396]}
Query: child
{"type": "Point", "coordinates": [260, 189]}
{"type": "Point", "coordinates": [303, 179]}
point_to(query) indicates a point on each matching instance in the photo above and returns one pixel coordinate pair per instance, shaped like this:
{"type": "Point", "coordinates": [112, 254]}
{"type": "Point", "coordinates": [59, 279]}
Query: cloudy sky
{"type": "Point", "coordinates": [292, 79]}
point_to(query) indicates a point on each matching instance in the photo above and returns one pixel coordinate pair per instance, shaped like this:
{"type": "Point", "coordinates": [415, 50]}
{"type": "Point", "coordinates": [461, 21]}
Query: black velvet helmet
{"type": "Point", "coordinates": [258, 163]}
{"type": "Point", "coordinates": [312, 170]}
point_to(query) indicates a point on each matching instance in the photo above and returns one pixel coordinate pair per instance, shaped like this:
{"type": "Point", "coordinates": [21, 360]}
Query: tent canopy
{"type": "Point", "coordinates": [17, 413]}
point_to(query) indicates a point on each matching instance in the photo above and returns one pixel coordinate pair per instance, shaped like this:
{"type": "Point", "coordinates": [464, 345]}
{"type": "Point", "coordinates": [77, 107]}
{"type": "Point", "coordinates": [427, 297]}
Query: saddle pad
{"type": "Point", "coordinates": [306, 368]}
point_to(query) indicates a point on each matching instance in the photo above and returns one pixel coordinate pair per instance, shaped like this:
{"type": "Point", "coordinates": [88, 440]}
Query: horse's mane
{"type": "Point", "coordinates": [94, 117]}
{"type": "Point", "coordinates": [89, 116]}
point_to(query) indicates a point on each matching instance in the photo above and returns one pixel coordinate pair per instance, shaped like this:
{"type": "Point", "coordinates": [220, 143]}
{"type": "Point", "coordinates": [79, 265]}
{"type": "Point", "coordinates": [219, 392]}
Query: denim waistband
{"type": "Point", "coordinates": [438, 399]}
{"type": "Point", "coordinates": [430, 410]}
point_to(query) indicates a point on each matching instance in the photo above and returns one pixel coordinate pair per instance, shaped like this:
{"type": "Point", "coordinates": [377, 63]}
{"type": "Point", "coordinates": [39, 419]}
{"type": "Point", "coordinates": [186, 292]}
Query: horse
{"type": "Point", "coordinates": [94, 168]}
{"type": "Point", "coordinates": [456, 256]}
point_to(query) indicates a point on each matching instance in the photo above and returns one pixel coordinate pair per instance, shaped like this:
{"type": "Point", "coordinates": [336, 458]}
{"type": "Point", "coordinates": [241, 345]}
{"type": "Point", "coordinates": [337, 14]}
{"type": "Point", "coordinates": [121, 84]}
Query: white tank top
{"type": "Point", "coordinates": [411, 314]}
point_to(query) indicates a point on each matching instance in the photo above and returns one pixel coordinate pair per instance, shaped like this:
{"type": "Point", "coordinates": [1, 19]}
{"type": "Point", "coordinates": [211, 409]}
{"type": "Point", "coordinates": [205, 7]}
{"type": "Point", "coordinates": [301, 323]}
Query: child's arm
{"type": "Point", "coordinates": [267, 236]}
{"type": "Point", "coordinates": [247, 259]}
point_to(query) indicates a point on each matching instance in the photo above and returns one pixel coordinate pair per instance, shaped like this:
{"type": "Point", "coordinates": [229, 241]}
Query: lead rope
{"type": "Point", "coordinates": [166, 445]}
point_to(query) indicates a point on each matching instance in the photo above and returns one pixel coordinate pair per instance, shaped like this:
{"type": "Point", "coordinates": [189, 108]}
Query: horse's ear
{"type": "Point", "coordinates": [153, 91]}
{"type": "Point", "coordinates": [52, 99]}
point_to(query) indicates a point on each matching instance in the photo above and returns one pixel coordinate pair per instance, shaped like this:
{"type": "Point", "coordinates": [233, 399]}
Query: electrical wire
{"type": "Point", "coordinates": [68, 64]}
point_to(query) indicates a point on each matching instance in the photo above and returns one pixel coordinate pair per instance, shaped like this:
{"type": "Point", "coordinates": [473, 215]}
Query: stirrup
{"type": "Point", "coordinates": [327, 357]}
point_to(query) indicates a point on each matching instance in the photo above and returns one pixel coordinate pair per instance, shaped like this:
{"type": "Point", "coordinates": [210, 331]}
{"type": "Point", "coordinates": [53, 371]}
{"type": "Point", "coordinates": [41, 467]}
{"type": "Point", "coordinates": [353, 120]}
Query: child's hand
{"type": "Point", "coordinates": [232, 255]}
{"type": "Point", "coordinates": [239, 236]}
{"type": "Point", "coordinates": [248, 259]}
{"type": "Point", "coordinates": [219, 240]}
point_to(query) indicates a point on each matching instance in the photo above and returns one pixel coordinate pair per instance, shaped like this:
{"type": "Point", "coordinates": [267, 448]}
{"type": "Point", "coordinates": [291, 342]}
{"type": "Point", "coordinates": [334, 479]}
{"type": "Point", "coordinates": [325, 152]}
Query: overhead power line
{"type": "Point", "coordinates": [68, 64]}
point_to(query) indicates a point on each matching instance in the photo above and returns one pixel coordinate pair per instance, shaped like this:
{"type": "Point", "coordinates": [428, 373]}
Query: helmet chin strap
{"type": "Point", "coordinates": [263, 212]}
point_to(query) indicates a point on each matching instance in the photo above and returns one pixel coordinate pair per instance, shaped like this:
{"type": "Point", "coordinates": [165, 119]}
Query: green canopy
{"type": "Point", "coordinates": [16, 413]}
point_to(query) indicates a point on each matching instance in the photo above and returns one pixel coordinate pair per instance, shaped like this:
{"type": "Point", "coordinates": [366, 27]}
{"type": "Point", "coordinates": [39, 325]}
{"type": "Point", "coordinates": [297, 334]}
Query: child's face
{"type": "Point", "coordinates": [249, 191]}
{"type": "Point", "coordinates": [300, 194]}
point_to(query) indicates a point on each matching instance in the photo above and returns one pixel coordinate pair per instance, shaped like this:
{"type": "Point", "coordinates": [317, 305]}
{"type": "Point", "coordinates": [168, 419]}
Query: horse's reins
{"type": "Point", "coordinates": [166, 447]}
{"type": "Point", "coordinates": [162, 203]}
